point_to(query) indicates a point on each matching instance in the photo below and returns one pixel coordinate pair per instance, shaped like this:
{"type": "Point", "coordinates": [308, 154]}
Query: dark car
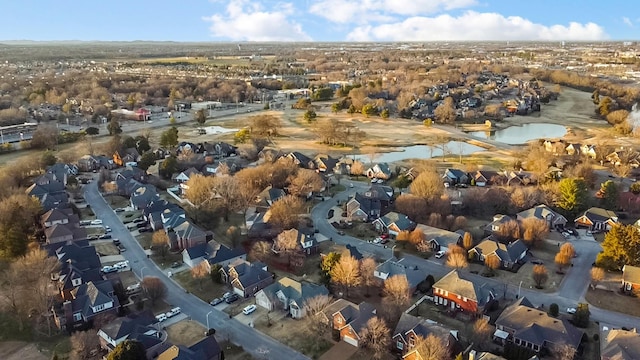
{"type": "Point", "coordinates": [105, 236]}
{"type": "Point", "coordinates": [537, 262]}
{"type": "Point", "coordinates": [330, 214]}
{"type": "Point", "coordinates": [176, 265]}
{"type": "Point", "coordinates": [140, 224]}
{"type": "Point", "coordinates": [216, 301]}
{"type": "Point", "coordinates": [231, 298]}
{"type": "Point", "coordinates": [116, 242]}
{"type": "Point", "coordinates": [144, 229]}
{"type": "Point", "coordinates": [139, 220]}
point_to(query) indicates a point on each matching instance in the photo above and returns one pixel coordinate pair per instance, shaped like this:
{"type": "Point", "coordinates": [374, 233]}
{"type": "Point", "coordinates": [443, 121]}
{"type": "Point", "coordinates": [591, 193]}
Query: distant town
{"type": "Point", "coordinates": [467, 201]}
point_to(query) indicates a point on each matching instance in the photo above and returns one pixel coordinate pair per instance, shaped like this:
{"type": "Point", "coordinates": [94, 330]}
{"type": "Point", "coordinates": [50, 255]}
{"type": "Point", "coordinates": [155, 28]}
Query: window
{"type": "Point", "coordinates": [77, 316]}
{"type": "Point", "coordinates": [464, 299]}
{"type": "Point", "coordinates": [459, 297]}
{"type": "Point", "coordinates": [536, 348]}
{"type": "Point", "coordinates": [339, 320]}
{"type": "Point", "coordinates": [446, 293]}
{"type": "Point", "coordinates": [412, 341]}
{"type": "Point", "coordinates": [98, 307]}
{"type": "Point", "coordinates": [400, 345]}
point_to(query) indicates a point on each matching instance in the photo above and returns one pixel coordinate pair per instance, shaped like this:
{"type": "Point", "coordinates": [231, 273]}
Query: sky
{"type": "Point", "coordinates": [320, 20]}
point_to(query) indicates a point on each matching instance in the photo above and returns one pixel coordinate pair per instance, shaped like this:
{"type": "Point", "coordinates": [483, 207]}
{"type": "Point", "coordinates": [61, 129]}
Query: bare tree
{"type": "Point", "coordinates": [314, 308]}
{"type": "Point", "coordinates": [568, 249]}
{"type": "Point", "coordinates": [446, 111]}
{"type": "Point", "coordinates": [417, 237]}
{"type": "Point", "coordinates": [367, 268]}
{"type": "Point", "coordinates": [457, 257]}
{"type": "Point", "coordinates": [481, 334]}
{"type": "Point", "coordinates": [305, 182]}
{"type": "Point", "coordinates": [535, 230]}
{"type": "Point", "coordinates": [467, 240]}
{"type": "Point", "coordinates": [597, 275]}
{"type": "Point", "coordinates": [357, 168]}
{"type": "Point", "coordinates": [284, 213]}
{"type": "Point", "coordinates": [403, 235]}
{"type": "Point", "coordinates": [540, 275]}
{"type": "Point", "coordinates": [492, 262]}
{"type": "Point", "coordinates": [84, 345]}
{"type": "Point", "coordinates": [563, 352]}
{"type": "Point", "coordinates": [287, 242]}
{"type": "Point", "coordinates": [226, 191]}
{"type": "Point", "coordinates": [346, 272]}
{"type": "Point", "coordinates": [376, 337]}
{"type": "Point", "coordinates": [200, 272]}
{"type": "Point", "coordinates": [160, 242]}
{"type": "Point", "coordinates": [431, 347]}
{"type": "Point", "coordinates": [396, 294]}
{"type": "Point", "coordinates": [199, 190]}
{"type": "Point", "coordinates": [427, 185]}
{"type": "Point", "coordinates": [153, 288]}
{"type": "Point", "coordinates": [261, 250]}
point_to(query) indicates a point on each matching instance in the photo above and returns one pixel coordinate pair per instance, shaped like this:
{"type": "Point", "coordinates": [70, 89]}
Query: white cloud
{"type": "Point", "coordinates": [249, 21]}
{"type": "Point", "coordinates": [627, 21]}
{"type": "Point", "coordinates": [366, 11]}
{"type": "Point", "coordinates": [475, 26]}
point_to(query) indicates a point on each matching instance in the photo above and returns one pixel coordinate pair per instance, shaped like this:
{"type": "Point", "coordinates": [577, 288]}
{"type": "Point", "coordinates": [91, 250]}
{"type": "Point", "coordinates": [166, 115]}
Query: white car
{"type": "Point", "coordinates": [173, 312]}
{"type": "Point", "coordinates": [161, 317]}
{"type": "Point", "coordinates": [377, 240]}
{"type": "Point", "coordinates": [107, 229]}
{"type": "Point", "coordinates": [133, 287]}
{"type": "Point", "coordinates": [249, 309]}
{"type": "Point", "coordinates": [571, 310]}
{"type": "Point", "coordinates": [440, 254]}
{"type": "Point", "coordinates": [96, 222]}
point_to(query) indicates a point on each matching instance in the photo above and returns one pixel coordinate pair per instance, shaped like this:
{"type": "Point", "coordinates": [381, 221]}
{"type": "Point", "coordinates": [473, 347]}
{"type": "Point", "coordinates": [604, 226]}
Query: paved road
{"type": "Point", "coordinates": [252, 341]}
{"type": "Point", "coordinates": [571, 290]}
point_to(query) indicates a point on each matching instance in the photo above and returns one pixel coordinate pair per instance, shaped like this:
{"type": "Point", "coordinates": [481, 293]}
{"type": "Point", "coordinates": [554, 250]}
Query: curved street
{"type": "Point", "coordinates": [253, 341]}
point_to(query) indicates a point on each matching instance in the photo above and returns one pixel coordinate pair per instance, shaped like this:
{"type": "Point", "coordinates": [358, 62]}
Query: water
{"type": "Point", "coordinates": [452, 148]}
{"type": "Point", "coordinates": [515, 135]}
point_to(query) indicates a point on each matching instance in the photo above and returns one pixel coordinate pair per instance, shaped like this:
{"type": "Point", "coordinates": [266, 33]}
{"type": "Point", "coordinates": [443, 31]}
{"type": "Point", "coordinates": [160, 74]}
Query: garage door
{"type": "Point", "coordinates": [349, 340]}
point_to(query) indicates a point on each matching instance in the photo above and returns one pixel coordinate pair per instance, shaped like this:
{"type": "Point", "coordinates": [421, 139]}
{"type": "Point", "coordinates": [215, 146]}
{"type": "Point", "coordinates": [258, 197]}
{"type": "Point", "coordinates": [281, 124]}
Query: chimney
{"type": "Point", "coordinates": [472, 355]}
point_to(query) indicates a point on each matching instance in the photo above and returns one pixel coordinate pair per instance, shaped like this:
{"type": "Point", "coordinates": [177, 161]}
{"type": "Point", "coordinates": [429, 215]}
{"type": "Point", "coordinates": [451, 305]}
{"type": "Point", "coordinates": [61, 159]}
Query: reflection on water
{"type": "Point", "coordinates": [420, 152]}
{"type": "Point", "coordinates": [515, 135]}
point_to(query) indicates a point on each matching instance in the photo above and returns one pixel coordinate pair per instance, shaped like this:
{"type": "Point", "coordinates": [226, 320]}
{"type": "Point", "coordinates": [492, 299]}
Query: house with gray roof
{"type": "Point", "coordinates": [597, 219]}
{"type": "Point", "coordinates": [205, 349]}
{"type": "Point", "coordinates": [364, 207]}
{"type": "Point", "coordinates": [495, 226]}
{"type": "Point", "coordinates": [440, 239]}
{"type": "Point", "coordinates": [458, 293]}
{"type": "Point", "coordinates": [289, 295]}
{"type": "Point", "coordinates": [393, 267]}
{"type": "Point", "coordinates": [246, 278]}
{"type": "Point", "coordinates": [456, 176]}
{"type": "Point", "coordinates": [213, 252]}
{"type": "Point", "coordinates": [618, 344]}
{"type": "Point", "coordinates": [543, 212]}
{"type": "Point", "coordinates": [525, 326]}
{"type": "Point", "coordinates": [143, 196]}
{"type": "Point", "coordinates": [88, 301]}
{"type": "Point", "coordinates": [379, 171]}
{"type": "Point", "coordinates": [630, 278]}
{"type": "Point", "coordinates": [409, 327]}
{"type": "Point", "coordinates": [393, 223]}
{"type": "Point", "coordinates": [509, 254]}
{"type": "Point", "coordinates": [268, 196]}
{"type": "Point", "coordinates": [137, 326]}
{"type": "Point", "coordinates": [350, 320]}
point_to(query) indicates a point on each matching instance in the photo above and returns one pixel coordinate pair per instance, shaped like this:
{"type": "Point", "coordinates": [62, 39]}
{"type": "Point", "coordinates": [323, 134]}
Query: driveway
{"type": "Point", "coordinates": [571, 291]}
{"type": "Point", "coordinates": [254, 342]}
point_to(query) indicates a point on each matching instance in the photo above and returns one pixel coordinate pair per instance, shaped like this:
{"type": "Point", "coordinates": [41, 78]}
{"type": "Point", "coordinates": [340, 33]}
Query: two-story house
{"type": "Point", "coordinates": [379, 171]}
{"type": "Point", "coordinates": [138, 327]}
{"type": "Point", "coordinates": [88, 301]}
{"type": "Point", "coordinates": [440, 239]}
{"type": "Point", "coordinates": [246, 278]}
{"type": "Point", "coordinates": [290, 296]}
{"type": "Point", "coordinates": [349, 321]}
{"type": "Point", "coordinates": [364, 207]}
{"type": "Point", "coordinates": [409, 328]}
{"type": "Point", "coordinates": [457, 293]}
{"type": "Point", "coordinates": [213, 253]}
{"type": "Point", "coordinates": [543, 212]}
{"type": "Point", "coordinates": [619, 344]}
{"type": "Point", "coordinates": [456, 176]}
{"type": "Point", "coordinates": [630, 279]}
{"type": "Point", "coordinates": [393, 267]}
{"type": "Point", "coordinates": [509, 254]}
{"type": "Point", "coordinates": [393, 223]}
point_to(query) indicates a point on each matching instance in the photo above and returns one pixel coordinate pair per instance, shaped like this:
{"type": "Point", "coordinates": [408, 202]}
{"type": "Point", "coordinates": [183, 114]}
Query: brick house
{"type": "Point", "coordinates": [349, 321]}
{"type": "Point", "coordinates": [460, 294]}
{"type": "Point", "coordinates": [630, 278]}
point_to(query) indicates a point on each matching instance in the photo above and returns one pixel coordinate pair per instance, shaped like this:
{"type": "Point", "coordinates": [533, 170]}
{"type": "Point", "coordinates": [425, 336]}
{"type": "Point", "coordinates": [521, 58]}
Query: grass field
{"type": "Point", "coordinates": [302, 340]}
{"type": "Point", "coordinates": [185, 332]}
{"type": "Point", "coordinates": [205, 289]}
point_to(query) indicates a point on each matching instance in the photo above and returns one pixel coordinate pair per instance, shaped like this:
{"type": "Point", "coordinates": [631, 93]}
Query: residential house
{"type": "Point", "coordinates": [212, 252]}
{"type": "Point", "coordinates": [630, 279]}
{"type": "Point", "coordinates": [58, 217]}
{"type": "Point", "coordinates": [589, 151]}
{"type": "Point", "coordinates": [63, 233]}
{"type": "Point", "coordinates": [457, 293]}
{"type": "Point", "coordinates": [61, 171]}
{"type": "Point", "coordinates": [543, 212]}
{"type": "Point", "coordinates": [129, 156]}
{"type": "Point", "coordinates": [159, 211]}
{"type": "Point", "coordinates": [270, 154]}
{"type": "Point", "coordinates": [343, 167]}
{"type": "Point", "coordinates": [624, 157]}
{"type": "Point", "coordinates": [306, 240]}
{"type": "Point", "coordinates": [403, 339]}
{"type": "Point", "coordinates": [350, 320]}
{"type": "Point", "coordinates": [496, 225]}
{"type": "Point", "coordinates": [224, 149]}
{"type": "Point", "coordinates": [132, 172]}
{"type": "Point", "coordinates": [487, 177]}
{"type": "Point", "coordinates": [573, 149]}
{"type": "Point", "coordinates": [246, 278]}
{"type": "Point", "coordinates": [364, 208]}
{"type": "Point", "coordinates": [393, 223]}
{"type": "Point", "coordinates": [379, 171]}
{"type": "Point", "coordinates": [456, 176]}
{"type": "Point", "coordinates": [143, 196]}
{"type": "Point", "coordinates": [184, 176]}
{"type": "Point", "coordinates": [136, 327]}
{"type": "Point", "coordinates": [383, 193]}
{"type": "Point", "coordinates": [618, 344]}
{"type": "Point", "coordinates": [268, 196]}
{"type": "Point", "coordinates": [183, 234]}
{"type": "Point", "coordinates": [510, 255]}
{"type": "Point", "coordinates": [474, 355]}
{"type": "Point", "coordinates": [88, 301]}
{"type": "Point", "coordinates": [289, 295]}
{"type": "Point", "coordinates": [88, 163]}
{"type": "Point", "coordinates": [597, 219]}
{"type": "Point", "coordinates": [394, 267]}
{"type": "Point", "coordinates": [524, 325]}
{"type": "Point", "coordinates": [259, 227]}
{"type": "Point", "coordinates": [520, 178]}
{"type": "Point", "coordinates": [301, 160]}
{"type": "Point", "coordinates": [440, 239]}
{"type": "Point", "coordinates": [79, 264]}
{"type": "Point", "coordinates": [325, 163]}
{"type": "Point", "coordinates": [555, 147]}
{"type": "Point", "coordinates": [205, 349]}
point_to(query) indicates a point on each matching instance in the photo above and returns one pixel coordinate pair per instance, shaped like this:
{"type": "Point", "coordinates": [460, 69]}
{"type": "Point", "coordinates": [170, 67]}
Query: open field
{"type": "Point", "coordinates": [105, 247]}
{"type": "Point", "coordinates": [205, 289]}
{"type": "Point", "coordinates": [608, 297]}
{"type": "Point", "coordinates": [18, 350]}
{"type": "Point", "coordinates": [185, 332]}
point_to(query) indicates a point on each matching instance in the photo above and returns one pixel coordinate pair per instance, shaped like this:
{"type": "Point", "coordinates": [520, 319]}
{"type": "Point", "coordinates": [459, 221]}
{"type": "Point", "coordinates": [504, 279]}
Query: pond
{"type": "Point", "coordinates": [452, 148]}
{"type": "Point", "coordinates": [516, 135]}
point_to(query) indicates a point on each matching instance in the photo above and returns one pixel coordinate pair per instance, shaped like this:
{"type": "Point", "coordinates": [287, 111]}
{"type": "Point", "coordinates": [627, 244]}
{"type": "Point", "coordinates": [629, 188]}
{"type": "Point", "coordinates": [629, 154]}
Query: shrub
{"type": "Point", "coordinates": [554, 310]}
{"type": "Point", "coordinates": [596, 337]}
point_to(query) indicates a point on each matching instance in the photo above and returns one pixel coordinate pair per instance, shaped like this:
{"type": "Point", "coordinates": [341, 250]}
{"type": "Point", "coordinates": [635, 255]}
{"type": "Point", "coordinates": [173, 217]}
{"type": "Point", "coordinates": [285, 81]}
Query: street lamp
{"type": "Point", "coordinates": [519, 286]}
{"type": "Point", "coordinates": [392, 248]}
{"type": "Point", "coordinates": [142, 273]}
{"type": "Point", "coordinates": [209, 313]}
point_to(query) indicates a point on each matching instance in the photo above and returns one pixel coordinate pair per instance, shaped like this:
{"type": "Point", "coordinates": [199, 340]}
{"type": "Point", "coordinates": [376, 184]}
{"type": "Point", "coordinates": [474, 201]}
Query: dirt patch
{"type": "Point", "coordinates": [185, 332]}
{"type": "Point", "coordinates": [302, 340]}
{"type": "Point", "coordinates": [117, 201]}
{"type": "Point", "coordinates": [613, 301]}
{"type": "Point", "coordinates": [105, 248]}
{"type": "Point", "coordinates": [18, 350]}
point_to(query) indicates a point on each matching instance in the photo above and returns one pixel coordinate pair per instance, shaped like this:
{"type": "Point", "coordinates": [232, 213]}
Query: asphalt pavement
{"type": "Point", "coordinates": [252, 341]}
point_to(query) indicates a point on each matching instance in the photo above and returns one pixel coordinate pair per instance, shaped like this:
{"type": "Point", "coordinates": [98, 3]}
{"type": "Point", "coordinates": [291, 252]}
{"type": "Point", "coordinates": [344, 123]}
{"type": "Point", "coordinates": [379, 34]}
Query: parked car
{"type": "Point", "coordinates": [176, 264]}
{"type": "Point", "coordinates": [96, 222]}
{"type": "Point", "coordinates": [140, 224]}
{"type": "Point", "coordinates": [116, 242]}
{"type": "Point", "coordinates": [571, 310]}
{"type": "Point", "coordinates": [216, 301]}
{"type": "Point", "coordinates": [133, 287]}
{"type": "Point", "coordinates": [330, 214]}
{"type": "Point", "coordinates": [105, 236]}
{"type": "Point", "coordinates": [341, 232]}
{"type": "Point", "coordinates": [249, 309]}
{"type": "Point", "coordinates": [119, 210]}
{"type": "Point", "coordinates": [107, 229]}
{"type": "Point", "coordinates": [440, 254]}
{"type": "Point", "coordinates": [350, 185]}
{"type": "Point", "coordinates": [139, 220]}
{"type": "Point", "coordinates": [122, 248]}
{"type": "Point", "coordinates": [144, 229]}
{"type": "Point", "coordinates": [173, 312]}
{"type": "Point", "coordinates": [537, 262]}
{"type": "Point", "coordinates": [231, 298]}
{"type": "Point", "coordinates": [108, 269]}
{"type": "Point", "coordinates": [161, 317]}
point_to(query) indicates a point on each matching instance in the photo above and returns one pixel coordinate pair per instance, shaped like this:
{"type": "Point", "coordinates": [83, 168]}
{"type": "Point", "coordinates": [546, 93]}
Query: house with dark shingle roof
{"type": "Point", "coordinates": [618, 344]}
{"type": "Point", "coordinates": [246, 278]}
{"type": "Point", "coordinates": [487, 177]}
{"type": "Point", "coordinates": [213, 252]}
{"type": "Point", "coordinates": [325, 163]}
{"type": "Point", "coordinates": [289, 295]}
{"type": "Point", "coordinates": [457, 293]}
{"type": "Point", "coordinates": [440, 239]}
{"type": "Point", "coordinates": [630, 278]}
{"type": "Point", "coordinates": [497, 223]}
{"type": "Point", "coordinates": [363, 207]}
{"type": "Point", "coordinates": [409, 327]}
{"type": "Point", "coordinates": [301, 160]}
{"type": "Point", "coordinates": [509, 254]}
{"type": "Point", "coordinates": [58, 216]}
{"type": "Point", "coordinates": [138, 327]}
{"type": "Point", "coordinates": [525, 326]}
{"type": "Point", "coordinates": [456, 176]}
{"type": "Point", "coordinates": [205, 349]}
{"type": "Point", "coordinates": [350, 320]}
{"type": "Point", "coordinates": [183, 234]}
{"type": "Point", "coordinates": [393, 223]}
{"type": "Point", "coordinates": [143, 196]}
{"type": "Point", "coordinates": [543, 212]}
{"type": "Point", "coordinates": [597, 219]}
{"type": "Point", "coordinates": [379, 171]}
{"type": "Point", "coordinates": [268, 196]}
{"type": "Point", "coordinates": [88, 301]}
{"type": "Point", "coordinates": [393, 267]}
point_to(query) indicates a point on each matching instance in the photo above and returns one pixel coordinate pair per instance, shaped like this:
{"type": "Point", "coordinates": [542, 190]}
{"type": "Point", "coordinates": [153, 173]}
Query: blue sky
{"type": "Point", "coordinates": [319, 20]}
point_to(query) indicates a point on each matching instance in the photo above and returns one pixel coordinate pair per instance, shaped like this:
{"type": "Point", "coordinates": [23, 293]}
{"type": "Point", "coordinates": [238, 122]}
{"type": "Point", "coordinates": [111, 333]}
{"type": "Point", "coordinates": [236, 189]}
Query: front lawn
{"type": "Point", "coordinates": [185, 332]}
{"type": "Point", "coordinates": [205, 289]}
{"type": "Point", "coordinates": [163, 262]}
{"type": "Point", "coordinates": [302, 339]}
{"type": "Point", "coordinates": [364, 231]}
{"type": "Point", "coordinates": [613, 301]}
